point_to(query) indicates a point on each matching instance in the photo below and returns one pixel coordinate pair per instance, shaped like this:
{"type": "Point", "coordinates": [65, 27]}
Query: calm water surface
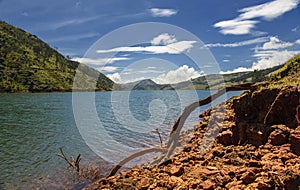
{"type": "Point", "coordinates": [34, 126]}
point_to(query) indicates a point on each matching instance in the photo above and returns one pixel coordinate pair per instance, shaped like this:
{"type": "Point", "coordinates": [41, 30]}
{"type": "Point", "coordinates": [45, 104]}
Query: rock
{"type": "Point", "coordinates": [259, 185]}
{"type": "Point", "coordinates": [284, 108]}
{"type": "Point", "coordinates": [294, 140]}
{"type": "Point", "coordinates": [174, 182]}
{"type": "Point", "coordinates": [207, 185]}
{"type": "Point", "coordinates": [144, 183]}
{"type": "Point", "coordinates": [279, 136]}
{"type": "Point", "coordinates": [225, 138]}
{"type": "Point", "coordinates": [254, 163]}
{"type": "Point", "coordinates": [176, 171]}
{"type": "Point", "coordinates": [233, 184]}
{"type": "Point", "coordinates": [248, 177]}
{"type": "Point", "coordinates": [256, 134]}
{"type": "Point", "coordinates": [251, 107]}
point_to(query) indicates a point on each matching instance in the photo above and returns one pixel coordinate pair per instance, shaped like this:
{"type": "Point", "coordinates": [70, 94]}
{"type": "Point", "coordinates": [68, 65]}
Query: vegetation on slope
{"type": "Point", "coordinates": [27, 64]}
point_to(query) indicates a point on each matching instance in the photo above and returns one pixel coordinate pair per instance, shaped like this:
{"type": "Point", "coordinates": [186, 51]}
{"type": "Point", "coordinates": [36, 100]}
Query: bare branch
{"type": "Point", "coordinates": [72, 163]}
{"type": "Point", "coordinates": [133, 156]}
{"type": "Point", "coordinates": [160, 139]}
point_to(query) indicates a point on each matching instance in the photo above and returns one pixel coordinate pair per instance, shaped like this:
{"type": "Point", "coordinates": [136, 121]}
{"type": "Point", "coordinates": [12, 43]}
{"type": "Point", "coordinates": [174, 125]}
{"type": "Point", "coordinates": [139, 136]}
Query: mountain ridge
{"type": "Point", "coordinates": [27, 64]}
{"type": "Point", "coordinates": [200, 83]}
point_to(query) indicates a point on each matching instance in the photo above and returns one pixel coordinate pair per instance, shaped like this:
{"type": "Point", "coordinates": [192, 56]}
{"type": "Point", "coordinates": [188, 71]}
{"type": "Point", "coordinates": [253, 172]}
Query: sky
{"type": "Point", "coordinates": [167, 41]}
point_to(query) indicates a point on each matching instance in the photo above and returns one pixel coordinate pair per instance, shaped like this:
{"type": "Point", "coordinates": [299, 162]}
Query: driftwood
{"type": "Point", "coordinates": [72, 163]}
{"type": "Point", "coordinates": [174, 135]}
{"type": "Point", "coordinates": [133, 156]}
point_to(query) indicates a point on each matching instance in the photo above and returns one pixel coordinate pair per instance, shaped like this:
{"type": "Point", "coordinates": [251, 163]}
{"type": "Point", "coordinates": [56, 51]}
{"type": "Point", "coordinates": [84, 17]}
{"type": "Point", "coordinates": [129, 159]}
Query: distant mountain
{"type": "Point", "coordinates": [27, 64]}
{"type": "Point", "coordinates": [146, 84]}
{"type": "Point", "coordinates": [149, 84]}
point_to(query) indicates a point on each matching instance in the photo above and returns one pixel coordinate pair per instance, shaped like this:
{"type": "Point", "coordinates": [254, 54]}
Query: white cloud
{"type": "Point", "coordinates": [174, 48]}
{"type": "Point", "coordinates": [100, 61]}
{"type": "Point", "coordinates": [238, 44]}
{"type": "Point", "coordinates": [296, 29]}
{"type": "Point", "coordinates": [183, 73]}
{"type": "Point", "coordinates": [120, 79]}
{"type": "Point", "coordinates": [76, 21]}
{"type": "Point", "coordinates": [157, 12]}
{"type": "Point", "coordinates": [272, 53]}
{"type": "Point", "coordinates": [237, 70]}
{"type": "Point", "coordinates": [226, 60]}
{"type": "Point", "coordinates": [274, 59]}
{"type": "Point", "coordinates": [107, 69]}
{"type": "Point", "coordinates": [258, 33]}
{"type": "Point", "coordinates": [267, 11]}
{"type": "Point", "coordinates": [235, 26]}
{"type": "Point", "coordinates": [73, 37]}
{"type": "Point", "coordinates": [163, 39]}
{"type": "Point", "coordinates": [116, 77]}
{"type": "Point", "coordinates": [275, 43]}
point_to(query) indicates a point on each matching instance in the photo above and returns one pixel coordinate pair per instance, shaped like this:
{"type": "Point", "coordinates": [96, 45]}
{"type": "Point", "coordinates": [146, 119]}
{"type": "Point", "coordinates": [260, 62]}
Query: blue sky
{"type": "Point", "coordinates": [241, 35]}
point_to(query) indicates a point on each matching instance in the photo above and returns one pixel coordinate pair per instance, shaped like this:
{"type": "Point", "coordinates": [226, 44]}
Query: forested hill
{"type": "Point", "coordinates": [27, 64]}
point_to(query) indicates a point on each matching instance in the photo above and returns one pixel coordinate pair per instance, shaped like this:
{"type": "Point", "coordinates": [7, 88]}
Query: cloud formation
{"type": "Point", "coordinates": [181, 74]}
{"type": "Point", "coordinates": [244, 23]}
{"type": "Point", "coordinates": [174, 48]}
{"type": "Point", "coordinates": [275, 43]}
{"type": "Point", "coordinates": [157, 12]}
{"type": "Point", "coordinates": [116, 77]}
{"type": "Point", "coordinates": [237, 70]}
{"type": "Point", "coordinates": [163, 39]}
{"type": "Point", "coordinates": [272, 53]}
{"type": "Point", "coordinates": [239, 44]}
{"type": "Point", "coordinates": [108, 69]}
{"type": "Point", "coordinates": [100, 61]}
{"type": "Point", "coordinates": [273, 59]}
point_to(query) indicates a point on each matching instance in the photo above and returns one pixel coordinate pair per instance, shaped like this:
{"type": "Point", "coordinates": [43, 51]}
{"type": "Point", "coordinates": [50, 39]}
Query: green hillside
{"type": "Point", "coordinates": [288, 74]}
{"type": "Point", "coordinates": [27, 64]}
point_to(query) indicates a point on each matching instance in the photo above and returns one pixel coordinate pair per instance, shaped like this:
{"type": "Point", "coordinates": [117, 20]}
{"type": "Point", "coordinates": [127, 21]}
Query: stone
{"type": "Point", "coordinates": [225, 138]}
{"type": "Point", "coordinates": [174, 181]}
{"type": "Point", "coordinates": [207, 185]}
{"type": "Point", "coordinates": [248, 177]}
{"type": "Point", "coordinates": [176, 171]}
{"type": "Point", "coordinates": [279, 136]}
{"type": "Point", "coordinates": [254, 163]}
{"type": "Point", "coordinates": [294, 140]}
{"type": "Point", "coordinates": [233, 184]}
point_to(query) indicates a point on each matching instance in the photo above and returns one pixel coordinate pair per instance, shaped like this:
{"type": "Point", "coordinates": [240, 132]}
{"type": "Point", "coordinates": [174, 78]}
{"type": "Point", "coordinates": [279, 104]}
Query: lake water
{"type": "Point", "coordinates": [34, 126]}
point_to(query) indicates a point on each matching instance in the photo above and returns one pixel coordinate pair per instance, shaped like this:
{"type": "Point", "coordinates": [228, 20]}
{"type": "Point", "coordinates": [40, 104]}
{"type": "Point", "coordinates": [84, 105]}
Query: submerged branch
{"type": "Point", "coordinates": [72, 163]}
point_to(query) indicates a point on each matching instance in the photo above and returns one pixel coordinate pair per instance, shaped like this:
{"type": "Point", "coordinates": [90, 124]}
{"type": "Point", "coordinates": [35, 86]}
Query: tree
{"type": "Point", "coordinates": [258, 76]}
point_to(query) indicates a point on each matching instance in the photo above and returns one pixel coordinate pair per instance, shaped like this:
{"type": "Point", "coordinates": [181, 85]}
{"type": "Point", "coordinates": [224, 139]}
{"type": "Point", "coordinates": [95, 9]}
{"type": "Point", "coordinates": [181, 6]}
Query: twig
{"type": "Point", "coordinates": [160, 139]}
{"type": "Point", "coordinates": [72, 163]}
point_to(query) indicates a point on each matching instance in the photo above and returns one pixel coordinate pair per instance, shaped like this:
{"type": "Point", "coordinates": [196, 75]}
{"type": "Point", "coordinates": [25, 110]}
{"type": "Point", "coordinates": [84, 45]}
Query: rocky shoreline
{"type": "Point", "coordinates": [257, 147]}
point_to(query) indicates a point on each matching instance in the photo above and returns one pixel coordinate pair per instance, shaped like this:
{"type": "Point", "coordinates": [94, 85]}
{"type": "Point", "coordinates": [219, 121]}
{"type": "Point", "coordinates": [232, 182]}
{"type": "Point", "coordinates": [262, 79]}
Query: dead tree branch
{"type": "Point", "coordinates": [74, 164]}
{"type": "Point", "coordinates": [133, 156]}
{"type": "Point", "coordinates": [160, 139]}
